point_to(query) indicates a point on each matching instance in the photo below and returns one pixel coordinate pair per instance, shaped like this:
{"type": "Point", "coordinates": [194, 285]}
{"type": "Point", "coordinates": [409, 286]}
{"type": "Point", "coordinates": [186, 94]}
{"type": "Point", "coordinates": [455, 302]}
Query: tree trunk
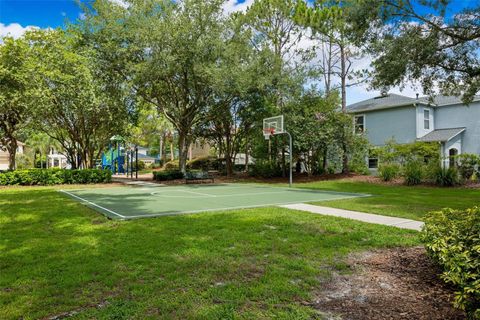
{"type": "Point", "coordinates": [247, 154]}
{"type": "Point", "coordinates": [183, 151]}
{"type": "Point", "coordinates": [343, 77]}
{"type": "Point", "coordinates": [228, 157]}
{"type": "Point", "coordinates": [12, 153]}
{"type": "Point", "coordinates": [325, 161]}
{"type": "Point", "coordinates": [161, 155]}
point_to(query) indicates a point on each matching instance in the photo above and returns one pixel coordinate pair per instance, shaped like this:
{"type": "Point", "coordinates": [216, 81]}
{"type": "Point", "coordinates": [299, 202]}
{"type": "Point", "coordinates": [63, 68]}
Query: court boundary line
{"type": "Point", "coordinates": [94, 204]}
{"type": "Point", "coordinates": [173, 213]}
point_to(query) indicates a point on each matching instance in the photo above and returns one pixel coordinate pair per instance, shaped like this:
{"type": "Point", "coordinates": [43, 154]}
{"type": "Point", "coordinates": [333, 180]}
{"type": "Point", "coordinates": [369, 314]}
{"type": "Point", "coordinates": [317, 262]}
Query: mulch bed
{"type": "Point", "coordinates": [400, 283]}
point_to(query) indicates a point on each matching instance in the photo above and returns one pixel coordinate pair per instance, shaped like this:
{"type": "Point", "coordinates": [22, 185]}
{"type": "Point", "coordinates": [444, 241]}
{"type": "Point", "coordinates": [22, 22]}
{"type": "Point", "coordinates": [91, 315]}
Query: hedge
{"type": "Point", "coordinates": [167, 175]}
{"type": "Point", "coordinates": [452, 239]}
{"type": "Point", "coordinates": [33, 177]}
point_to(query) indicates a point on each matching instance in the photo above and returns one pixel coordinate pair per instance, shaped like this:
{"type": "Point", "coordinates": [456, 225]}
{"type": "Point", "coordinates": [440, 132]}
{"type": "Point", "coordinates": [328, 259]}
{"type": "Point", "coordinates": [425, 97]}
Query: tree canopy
{"type": "Point", "coordinates": [417, 41]}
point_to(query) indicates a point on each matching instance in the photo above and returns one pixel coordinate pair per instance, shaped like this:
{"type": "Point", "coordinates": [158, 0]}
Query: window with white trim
{"type": "Point", "coordinates": [426, 119]}
{"type": "Point", "coordinates": [359, 124]}
{"type": "Point", "coordinates": [373, 163]}
{"type": "Point", "coordinates": [373, 158]}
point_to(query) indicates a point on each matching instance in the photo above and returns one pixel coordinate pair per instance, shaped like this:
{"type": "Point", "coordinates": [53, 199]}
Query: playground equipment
{"type": "Point", "coordinates": [114, 157]}
{"type": "Point", "coordinates": [119, 158]}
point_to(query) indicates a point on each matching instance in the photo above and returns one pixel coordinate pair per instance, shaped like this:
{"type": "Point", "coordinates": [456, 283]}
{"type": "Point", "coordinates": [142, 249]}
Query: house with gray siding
{"type": "Point", "coordinates": [445, 120]}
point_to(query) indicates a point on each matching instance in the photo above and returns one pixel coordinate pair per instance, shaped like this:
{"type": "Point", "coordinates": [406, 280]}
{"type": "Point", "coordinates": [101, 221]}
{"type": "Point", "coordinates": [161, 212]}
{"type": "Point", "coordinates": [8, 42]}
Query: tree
{"type": "Point", "coordinates": [77, 105]}
{"type": "Point", "coordinates": [40, 143]}
{"type": "Point", "coordinates": [334, 33]}
{"type": "Point", "coordinates": [166, 50]}
{"type": "Point", "coordinates": [273, 28]}
{"type": "Point", "coordinates": [15, 91]}
{"type": "Point", "coordinates": [418, 41]}
{"type": "Point", "coordinates": [312, 122]}
{"type": "Point", "coordinates": [151, 129]}
{"type": "Point", "coordinates": [240, 77]}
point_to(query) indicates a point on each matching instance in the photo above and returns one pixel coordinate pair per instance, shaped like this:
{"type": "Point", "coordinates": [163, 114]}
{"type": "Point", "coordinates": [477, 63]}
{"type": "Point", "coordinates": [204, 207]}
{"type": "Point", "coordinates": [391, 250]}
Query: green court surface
{"type": "Point", "coordinates": [131, 202]}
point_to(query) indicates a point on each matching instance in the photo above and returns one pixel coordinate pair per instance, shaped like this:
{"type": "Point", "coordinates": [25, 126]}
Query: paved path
{"type": "Point", "coordinates": [360, 216]}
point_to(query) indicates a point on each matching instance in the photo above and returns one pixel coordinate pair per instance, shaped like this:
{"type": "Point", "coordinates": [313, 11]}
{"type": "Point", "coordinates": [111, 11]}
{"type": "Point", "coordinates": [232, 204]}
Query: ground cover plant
{"type": "Point", "coordinates": [58, 257]}
{"type": "Point", "coordinates": [412, 202]}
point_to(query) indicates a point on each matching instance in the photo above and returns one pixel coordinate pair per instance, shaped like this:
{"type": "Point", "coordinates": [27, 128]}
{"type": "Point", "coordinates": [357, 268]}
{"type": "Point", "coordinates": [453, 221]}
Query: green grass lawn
{"type": "Point", "coordinates": [399, 201]}
{"type": "Point", "coordinates": [58, 256]}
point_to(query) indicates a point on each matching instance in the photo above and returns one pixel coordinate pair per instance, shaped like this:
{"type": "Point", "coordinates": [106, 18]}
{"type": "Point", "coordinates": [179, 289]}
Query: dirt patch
{"type": "Point", "coordinates": [400, 283]}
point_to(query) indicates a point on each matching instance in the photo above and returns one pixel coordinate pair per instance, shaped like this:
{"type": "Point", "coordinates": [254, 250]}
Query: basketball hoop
{"type": "Point", "coordinates": [267, 132]}
{"type": "Point", "coordinates": [272, 126]}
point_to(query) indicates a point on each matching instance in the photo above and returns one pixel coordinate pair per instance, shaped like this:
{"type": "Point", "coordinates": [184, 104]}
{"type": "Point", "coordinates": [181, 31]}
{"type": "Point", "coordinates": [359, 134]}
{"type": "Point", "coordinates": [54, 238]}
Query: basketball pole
{"type": "Point", "coordinates": [290, 151]}
{"type": "Point", "coordinates": [291, 158]}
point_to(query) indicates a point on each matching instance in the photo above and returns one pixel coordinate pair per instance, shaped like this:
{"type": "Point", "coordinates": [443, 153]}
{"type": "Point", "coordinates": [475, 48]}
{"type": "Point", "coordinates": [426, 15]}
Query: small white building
{"type": "Point", "coordinates": [57, 160]}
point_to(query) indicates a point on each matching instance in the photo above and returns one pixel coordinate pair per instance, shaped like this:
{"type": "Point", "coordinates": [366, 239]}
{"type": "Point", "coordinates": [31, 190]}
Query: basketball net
{"type": "Point", "coordinates": [268, 132]}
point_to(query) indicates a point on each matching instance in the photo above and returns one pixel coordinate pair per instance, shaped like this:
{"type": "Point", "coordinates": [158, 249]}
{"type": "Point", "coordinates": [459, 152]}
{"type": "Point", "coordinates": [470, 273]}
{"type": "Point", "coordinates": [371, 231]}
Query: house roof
{"type": "Point", "coordinates": [393, 100]}
{"type": "Point", "coordinates": [390, 100]}
{"type": "Point", "coordinates": [142, 156]}
{"type": "Point", "coordinates": [444, 100]}
{"type": "Point", "coordinates": [441, 135]}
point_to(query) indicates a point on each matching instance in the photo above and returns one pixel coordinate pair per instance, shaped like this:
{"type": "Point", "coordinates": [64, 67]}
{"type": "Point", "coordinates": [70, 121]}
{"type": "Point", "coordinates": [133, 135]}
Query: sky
{"type": "Point", "coordinates": [17, 16]}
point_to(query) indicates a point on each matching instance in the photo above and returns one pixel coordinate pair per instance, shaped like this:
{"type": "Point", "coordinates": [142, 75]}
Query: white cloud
{"type": "Point", "coordinates": [235, 6]}
{"type": "Point", "coordinates": [121, 3]}
{"type": "Point", "coordinates": [14, 30]}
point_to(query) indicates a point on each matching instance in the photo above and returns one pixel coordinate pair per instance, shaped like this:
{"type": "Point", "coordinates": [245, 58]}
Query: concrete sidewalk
{"type": "Point", "coordinates": [360, 216]}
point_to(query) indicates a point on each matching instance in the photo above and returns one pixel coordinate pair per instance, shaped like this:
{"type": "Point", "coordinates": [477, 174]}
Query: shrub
{"type": "Point", "coordinates": [33, 177]}
{"type": "Point", "coordinates": [203, 163]}
{"type": "Point", "coordinates": [167, 175]}
{"type": "Point", "coordinates": [389, 171]}
{"type": "Point", "coordinates": [141, 165]}
{"type": "Point", "coordinates": [171, 165]}
{"type": "Point", "coordinates": [445, 177]}
{"type": "Point", "coordinates": [413, 172]}
{"type": "Point", "coordinates": [452, 240]}
{"type": "Point", "coordinates": [23, 162]}
{"type": "Point", "coordinates": [360, 168]}
{"type": "Point", "coordinates": [265, 169]}
{"type": "Point", "coordinates": [467, 164]}
{"type": "Point", "coordinates": [155, 166]}
{"type": "Point", "coordinates": [402, 153]}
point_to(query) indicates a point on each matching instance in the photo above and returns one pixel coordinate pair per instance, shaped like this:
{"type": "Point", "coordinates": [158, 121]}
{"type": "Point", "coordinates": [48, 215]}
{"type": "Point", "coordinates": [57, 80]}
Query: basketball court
{"type": "Point", "coordinates": [142, 201]}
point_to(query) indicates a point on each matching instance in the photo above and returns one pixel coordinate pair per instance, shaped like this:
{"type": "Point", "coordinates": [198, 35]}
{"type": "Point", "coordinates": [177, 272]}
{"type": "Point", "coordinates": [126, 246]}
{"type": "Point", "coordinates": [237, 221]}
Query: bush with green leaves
{"type": "Point", "coordinates": [467, 165]}
{"type": "Point", "coordinates": [452, 239]}
{"type": "Point", "coordinates": [389, 171]}
{"type": "Point", "coordinates": [167, 175]}
{"type": "Point", "coordinates": [445, 177]}
{"type": "Point", "coordinates": [394, 152]}
{"type": "Point", "coordinates": [155, 166]}
{"type": "Point", "coordinates": [33, 177]}
{"type": "Point", "coordinates": [413, 172]}
{"type": "Point", "coordinates": [171, 165]}
{"type": "Point", "coordinates": [202, 163]}
{"type": "Point", "coordinates": [141, 165]}
{"type": "Point", "coordinates": [265, 169]}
